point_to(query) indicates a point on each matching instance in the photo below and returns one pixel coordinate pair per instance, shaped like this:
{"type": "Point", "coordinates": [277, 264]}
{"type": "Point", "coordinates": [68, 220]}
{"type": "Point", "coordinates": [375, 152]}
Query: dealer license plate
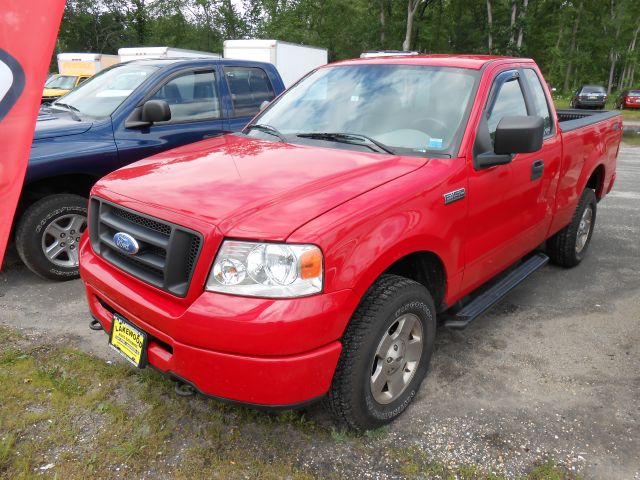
{"type": "Point", "coordinates": [128, 341]}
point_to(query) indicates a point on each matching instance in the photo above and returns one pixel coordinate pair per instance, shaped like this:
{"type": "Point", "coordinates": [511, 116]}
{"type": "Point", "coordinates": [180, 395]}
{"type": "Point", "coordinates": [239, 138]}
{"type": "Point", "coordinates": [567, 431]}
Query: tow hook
{"type": "Point", "coordinates": [95, 325]}
{"type": "Point", "coordinates": [184, 389]}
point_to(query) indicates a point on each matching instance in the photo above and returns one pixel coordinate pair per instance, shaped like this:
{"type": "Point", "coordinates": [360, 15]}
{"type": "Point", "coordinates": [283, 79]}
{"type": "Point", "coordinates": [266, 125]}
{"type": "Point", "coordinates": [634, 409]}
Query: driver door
{"type": "Point", "coordinates": [196, 114]}
{"type": "Point", "coordinates": [510, 205]}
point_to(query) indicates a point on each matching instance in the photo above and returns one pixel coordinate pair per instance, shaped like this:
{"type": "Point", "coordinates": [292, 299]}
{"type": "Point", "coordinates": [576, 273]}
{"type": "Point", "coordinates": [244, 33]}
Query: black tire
{"type": "Point", "coordinates": [562, 247]}
{"type": "Point", "coordinates": [32, 227]}
{"type": "Point", "coordinates": [350, 397]}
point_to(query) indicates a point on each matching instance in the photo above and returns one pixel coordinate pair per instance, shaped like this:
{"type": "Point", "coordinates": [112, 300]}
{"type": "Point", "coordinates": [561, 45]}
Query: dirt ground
{"type": "Point", "coordinates": [551, 373]}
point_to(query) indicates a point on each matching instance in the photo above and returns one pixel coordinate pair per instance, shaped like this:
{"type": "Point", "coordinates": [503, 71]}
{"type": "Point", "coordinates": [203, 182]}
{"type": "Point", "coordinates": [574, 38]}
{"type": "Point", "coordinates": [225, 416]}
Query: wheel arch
{"type": "Point", "coordinates": [596, 179]}
{"type": "Point", "coordinates": [424, 265]}
{"type": "Point", "coordinates": [426, 268]}
{"type": "Point", "coordinates": [77, 184]}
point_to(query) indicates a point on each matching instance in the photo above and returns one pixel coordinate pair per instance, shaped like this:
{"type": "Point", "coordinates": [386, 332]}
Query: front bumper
{"type": "Point", "coordinates": [255, 351]}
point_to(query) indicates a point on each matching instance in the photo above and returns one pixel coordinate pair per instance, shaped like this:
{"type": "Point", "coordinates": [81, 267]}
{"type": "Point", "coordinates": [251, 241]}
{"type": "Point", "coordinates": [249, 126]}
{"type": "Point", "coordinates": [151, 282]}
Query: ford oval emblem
{"type": "Point", "coordinates": [126, 243]}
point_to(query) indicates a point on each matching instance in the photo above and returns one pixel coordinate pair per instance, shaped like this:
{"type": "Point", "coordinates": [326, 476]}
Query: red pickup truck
{"type": "Point", "coordinates": [313, 254]}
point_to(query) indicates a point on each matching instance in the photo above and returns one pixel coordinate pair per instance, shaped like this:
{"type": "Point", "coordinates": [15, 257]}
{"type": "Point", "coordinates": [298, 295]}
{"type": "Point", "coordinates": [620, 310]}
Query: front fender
{"type": "Point", "coordinates": [92, 153]}
{"type": "Point", "coordinates": [363, 237]}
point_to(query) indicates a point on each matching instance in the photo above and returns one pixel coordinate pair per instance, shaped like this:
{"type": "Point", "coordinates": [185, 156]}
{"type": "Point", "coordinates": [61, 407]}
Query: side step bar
{"type": "Point", "coordinates": [497, 292]}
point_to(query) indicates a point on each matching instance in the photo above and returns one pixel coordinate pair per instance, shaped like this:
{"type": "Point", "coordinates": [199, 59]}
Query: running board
{"type": "Point", "coordinates": [497, 292]}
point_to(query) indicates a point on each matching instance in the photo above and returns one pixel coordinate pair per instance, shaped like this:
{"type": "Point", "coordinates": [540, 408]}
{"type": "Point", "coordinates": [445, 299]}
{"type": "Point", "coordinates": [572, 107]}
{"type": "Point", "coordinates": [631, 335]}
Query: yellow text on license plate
{"type": "Point", "coordinates": [127, 340]}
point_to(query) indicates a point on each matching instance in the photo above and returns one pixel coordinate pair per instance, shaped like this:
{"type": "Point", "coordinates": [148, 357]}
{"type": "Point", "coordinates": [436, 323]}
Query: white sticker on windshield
{"type": "Point", "coordinates": [435, 143]}
{"type": "Point", "coordinates": [355, 98]}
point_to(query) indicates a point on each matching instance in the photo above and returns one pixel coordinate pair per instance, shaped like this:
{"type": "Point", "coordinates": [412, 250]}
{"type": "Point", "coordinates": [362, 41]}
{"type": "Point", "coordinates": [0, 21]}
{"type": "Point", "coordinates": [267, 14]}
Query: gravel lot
{"type": "Point", "coordinates": [553, 372]}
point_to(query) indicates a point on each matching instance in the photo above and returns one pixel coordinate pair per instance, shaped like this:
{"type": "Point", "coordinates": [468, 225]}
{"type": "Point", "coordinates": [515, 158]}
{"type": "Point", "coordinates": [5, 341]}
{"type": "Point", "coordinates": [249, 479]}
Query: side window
{"type": "Point", "coordinates": [539, 100]}
{"type": "Point", "coordinates": [510, 101]}
{"type": "Point", "coordinates": [249, 87]}
{"type": "Point", "coordinates": [191, 96]}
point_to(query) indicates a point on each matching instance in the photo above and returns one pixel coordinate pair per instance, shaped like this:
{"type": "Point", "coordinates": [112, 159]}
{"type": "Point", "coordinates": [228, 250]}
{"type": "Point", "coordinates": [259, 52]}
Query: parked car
{"type": "Point", "coordinates": [310, 255]}
{"type": "Point", "coordinates": [628, 99]}
{"type": "Point", "coordinates": [122, 114]}
{"type": "Point", "coordinates": [589, 96]}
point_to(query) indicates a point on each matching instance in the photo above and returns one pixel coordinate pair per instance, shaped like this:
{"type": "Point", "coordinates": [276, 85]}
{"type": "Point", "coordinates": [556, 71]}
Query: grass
{"type": "Point", "coordinates": [414, 463]}
{"type": "Point", "coordinates": [92, 419]}
{"type": "Point", "coordinates": [633, 115]}
{"type": "Point", "coordinates": [631, 139]}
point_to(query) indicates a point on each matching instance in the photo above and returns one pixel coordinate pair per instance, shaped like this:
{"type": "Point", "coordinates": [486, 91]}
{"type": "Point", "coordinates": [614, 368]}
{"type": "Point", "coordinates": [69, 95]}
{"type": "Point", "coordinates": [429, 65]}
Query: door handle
{"type": "Point", "coordinates": [537, 167]}
{"type": "Point", "coordinates": [211, 135]}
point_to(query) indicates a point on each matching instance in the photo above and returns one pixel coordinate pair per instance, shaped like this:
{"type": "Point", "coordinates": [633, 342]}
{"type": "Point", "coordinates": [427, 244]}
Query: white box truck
{"type": "Point", "coordinates": [84, 63]}
{"type": "Point", "coordinates": [292, 61]}
{"type": "Point", "coordinates": [134, 53]}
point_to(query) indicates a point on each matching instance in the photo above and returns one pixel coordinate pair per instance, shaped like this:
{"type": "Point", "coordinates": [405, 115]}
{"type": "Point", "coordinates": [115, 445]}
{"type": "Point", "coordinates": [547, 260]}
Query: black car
{"type": "Point", "coordinates": [589, 96]}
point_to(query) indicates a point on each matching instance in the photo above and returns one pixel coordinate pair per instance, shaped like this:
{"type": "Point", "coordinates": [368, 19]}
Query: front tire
{"type": "Point", "coordinates": [386, 352]}
{"type": "Point", "coordinates": [568, 247]}
{"type": "Point", "coordinates": [48, 235]}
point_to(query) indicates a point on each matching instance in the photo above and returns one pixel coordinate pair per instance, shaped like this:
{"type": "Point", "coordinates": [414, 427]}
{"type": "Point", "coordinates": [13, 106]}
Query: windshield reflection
{"type": "Point", "coordinates": [412, 109]}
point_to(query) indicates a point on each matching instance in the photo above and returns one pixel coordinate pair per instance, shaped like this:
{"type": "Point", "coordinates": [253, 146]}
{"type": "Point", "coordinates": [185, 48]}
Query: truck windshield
{"type": "Point", "coordinates": [103, 93]}
{"type": "Point", "coordinates": [64, 82]}
{"type": "Point", "coordinates": [404, 109]}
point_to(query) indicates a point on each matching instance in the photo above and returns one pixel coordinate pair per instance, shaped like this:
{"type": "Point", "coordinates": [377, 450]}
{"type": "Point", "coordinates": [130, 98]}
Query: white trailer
{"type": "Point", "coordinates": [84, 64]}
{"type": "Point", "coordinates": [292, 61]}
{"type": "Point", "coordinates": [135, 53]}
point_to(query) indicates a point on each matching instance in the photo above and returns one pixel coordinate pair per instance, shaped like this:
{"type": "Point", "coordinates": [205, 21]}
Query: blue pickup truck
{"type": "Point", "coordinates": [127, 112]}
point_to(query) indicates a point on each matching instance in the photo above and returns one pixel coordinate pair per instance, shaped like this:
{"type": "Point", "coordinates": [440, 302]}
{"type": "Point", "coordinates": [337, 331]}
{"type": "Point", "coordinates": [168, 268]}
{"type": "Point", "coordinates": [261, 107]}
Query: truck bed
{"type": "Point", "coordinates": [571, 119]}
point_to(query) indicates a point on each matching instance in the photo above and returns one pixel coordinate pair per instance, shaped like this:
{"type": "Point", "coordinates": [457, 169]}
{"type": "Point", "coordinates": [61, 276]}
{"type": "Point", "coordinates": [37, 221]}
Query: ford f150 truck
{"type": "Point", "coordinates": [127, 112]}
{"type": "Point", "coordinates": [310, 255]}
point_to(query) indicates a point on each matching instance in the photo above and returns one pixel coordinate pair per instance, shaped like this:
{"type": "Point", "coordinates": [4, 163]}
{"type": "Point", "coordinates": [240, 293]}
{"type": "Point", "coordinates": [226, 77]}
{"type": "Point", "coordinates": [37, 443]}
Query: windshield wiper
{"type": "Point", "coordinates": [70, 108]}
{"type": "Point", "coordinates": [349, 138]}
{"type": "Point", "coordinates": [267, 129]}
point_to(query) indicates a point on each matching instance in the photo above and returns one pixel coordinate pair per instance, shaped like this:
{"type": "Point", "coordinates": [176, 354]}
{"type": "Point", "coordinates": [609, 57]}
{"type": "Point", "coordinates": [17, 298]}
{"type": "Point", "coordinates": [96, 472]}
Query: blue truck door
{"type": "Point", "coordinates": [247, 87]}
{"type": "Point", "coordinates": [193, 96]}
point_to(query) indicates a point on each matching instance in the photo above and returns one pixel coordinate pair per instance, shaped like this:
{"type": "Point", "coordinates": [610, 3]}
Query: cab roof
{"type": "Point", "coordinates": [474, 62]}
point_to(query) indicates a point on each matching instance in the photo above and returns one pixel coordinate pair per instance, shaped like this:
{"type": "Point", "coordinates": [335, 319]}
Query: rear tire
{"type": "Point", "coordinates": [48, 233]}
{"type": "Point", "coordinates": [568, 247]}
{"type": "Point", "coordinates": [386, 350]}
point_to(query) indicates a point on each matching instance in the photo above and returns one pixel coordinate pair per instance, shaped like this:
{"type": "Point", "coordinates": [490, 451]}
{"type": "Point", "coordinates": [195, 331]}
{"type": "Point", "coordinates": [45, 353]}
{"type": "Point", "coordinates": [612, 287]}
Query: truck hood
{"type": "Point", "coordinates": [58, 123]}
{"type": "Point", "coordinates": [251, 188]}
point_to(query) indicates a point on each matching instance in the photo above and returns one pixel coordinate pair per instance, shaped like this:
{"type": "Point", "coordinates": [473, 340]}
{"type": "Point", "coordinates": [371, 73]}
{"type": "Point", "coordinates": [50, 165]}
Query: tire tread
{"type": "Point", "coordinates": [363, 319]}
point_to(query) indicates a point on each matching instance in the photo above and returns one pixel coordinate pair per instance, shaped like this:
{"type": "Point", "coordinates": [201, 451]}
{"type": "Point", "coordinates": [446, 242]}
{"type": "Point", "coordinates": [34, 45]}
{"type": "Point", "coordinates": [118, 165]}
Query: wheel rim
{"type": "Point", "coordinates": [584, 228]}
{"type": "Point", "coordinates": [397, 358]}
{"type": "Point", "coordinates": [61, 239]}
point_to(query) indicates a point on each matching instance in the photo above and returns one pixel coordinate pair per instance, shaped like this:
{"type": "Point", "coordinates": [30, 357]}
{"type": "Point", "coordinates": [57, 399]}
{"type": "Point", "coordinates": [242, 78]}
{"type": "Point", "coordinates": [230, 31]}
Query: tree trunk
{"type": "Point", "coordinates": [614, 58]}
{"type": "Point", "coordinates": [632, 47]}
{"type": "Point", "coordinates": [382, 24]}
{"type": "Point", "coordinates": [489, 26]}
{"type": "Point", "coordinates": [412, 7]}
{"type": "Point", "coordinates": [523, 14]}
{"type": "Point", "coordinates": [572, 49]}
{"type": "Point", "coordinates": [613, 54]}
{"type": "Point", "coordinates": [512, 28]}
{"type": "Point", "coordinates": [560, 32]}
{"type": "Point", "coordinates": [623, 78]}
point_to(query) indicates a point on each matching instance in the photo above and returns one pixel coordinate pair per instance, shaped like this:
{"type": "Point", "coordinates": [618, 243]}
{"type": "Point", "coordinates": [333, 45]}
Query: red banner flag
{"type": "Point", "coordinates": [28, 31]}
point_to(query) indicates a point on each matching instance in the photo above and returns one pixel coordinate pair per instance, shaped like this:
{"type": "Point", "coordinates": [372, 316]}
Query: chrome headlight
{"type": "Point", "coordinates": [276, 270]}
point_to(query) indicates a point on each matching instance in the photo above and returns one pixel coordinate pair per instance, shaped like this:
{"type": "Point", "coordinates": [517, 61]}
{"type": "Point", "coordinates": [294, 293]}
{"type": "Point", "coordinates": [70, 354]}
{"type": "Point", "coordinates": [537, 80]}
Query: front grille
{"type": "Point", "coordinates": [167, 255]}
